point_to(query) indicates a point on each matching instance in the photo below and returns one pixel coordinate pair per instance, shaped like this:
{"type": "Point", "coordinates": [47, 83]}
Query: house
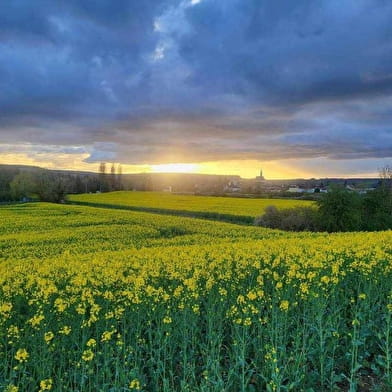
{"type": "Point", "coordinates": [361, 191]}
{"type": "Point", "coordinates": [297, 189]}
{"type": "Point", "coordinates": [232, 186]}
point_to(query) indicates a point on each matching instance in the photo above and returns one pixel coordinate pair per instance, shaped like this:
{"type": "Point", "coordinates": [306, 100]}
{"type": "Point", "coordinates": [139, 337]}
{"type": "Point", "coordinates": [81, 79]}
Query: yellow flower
{"type": "Point", "coordinates": [13, 332]}
{"type": "Point", "coordinates": [107, 335]}
{"type": "Point", "coordinates": [22, 355]}
{"type": "Point", "coordinates": [87, 355]}
{"type": "Point", "coordinates": [11, 388]}
{"type": "Point", "coordinates": [362, 296]}
{"type": "Point", "coordinates": [325, 279]}
{"type": "Point", "coordinates": [252, 295]}
{"type": "Point", "coordinates": [304, 288]}
{"type": "Point", "coordinates": [223, 292]}
{"type": "Point", "coordinates": [284, 305]}
{"type": "Point", "coordinates": [135, 384]}
{"type": "Point", "coordinates": [80, 309]}
{"type": "Point", "coordinates": [109, 315]}
{"type": "Point", "coordinates": [91, 343]}
{"type": "Point", "coordinates": [66, 330]}
{"type": "Point", "coordinates": [60, 305]}
{"type": "Point", "coordinates": [247, 321]}
{"type": "Point", "coordinates": [167, 320]}
{"type": "Point", "coordinates": [196, 309]}
{"type": "Point", "coordinates": [36, 320]}
{"type": "Point", "coordinates": [5, 309]}
{"type": "Point", "coordinates": [46, 385]}
{"type": "Point", "coordinates": [48, 337]}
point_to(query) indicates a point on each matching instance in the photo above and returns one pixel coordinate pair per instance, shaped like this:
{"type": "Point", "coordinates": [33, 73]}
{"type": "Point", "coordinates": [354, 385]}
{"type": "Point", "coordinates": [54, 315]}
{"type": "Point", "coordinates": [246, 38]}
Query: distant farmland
{"type": "Point", "coordinates": [231, 208]}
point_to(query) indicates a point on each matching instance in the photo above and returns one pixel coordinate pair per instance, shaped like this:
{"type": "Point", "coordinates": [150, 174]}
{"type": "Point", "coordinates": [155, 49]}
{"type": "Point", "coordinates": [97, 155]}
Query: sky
{"type": "Point", "coordinates": [298, 88]}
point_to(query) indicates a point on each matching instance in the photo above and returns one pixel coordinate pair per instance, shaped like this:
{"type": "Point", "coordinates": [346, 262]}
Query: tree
{"type": "Point", "coordinates": [386, 184]}
{"type": "Point", "coordinates": [6, 176]}
{"type": "Point", "coordinates": [112, 180]}
{"type": "Point", "coordinates": [377, 210]}
{"type": "Point", "coordinates": [103, 185]}
{"type": "Point", "coordinates": [22, 186]}
{"type": "Point", "coordinates": [378, 203]}
{"type": "Point", "coordinates": [340, 210]}
{"type": "Point", "coordinates": [51, 187]}
{"type": "Point", "coordinates": [119, 178]}
{"type": "Point", "coordinates": [78, 185]}
{"type": "Point", "coordinates": [386, 175]}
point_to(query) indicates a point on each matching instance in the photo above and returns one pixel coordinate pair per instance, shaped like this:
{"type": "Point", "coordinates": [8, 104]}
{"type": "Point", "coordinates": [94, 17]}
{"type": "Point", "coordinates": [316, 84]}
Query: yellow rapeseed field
{"type": "Point", "coordinates": [203, 205]}
{"type": "Point", "coordinates": [109, 300]}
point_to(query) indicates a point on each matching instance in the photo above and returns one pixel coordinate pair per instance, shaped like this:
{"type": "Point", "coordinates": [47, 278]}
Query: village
{"type": "Point", "coordinates": [235, 185]}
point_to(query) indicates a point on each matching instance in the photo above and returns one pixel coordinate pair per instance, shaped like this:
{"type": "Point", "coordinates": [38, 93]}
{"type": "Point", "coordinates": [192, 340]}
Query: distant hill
{"type": "Point", "coordinates": [193, 176]}
{"type": "Point", "coordinates": [78, 181]}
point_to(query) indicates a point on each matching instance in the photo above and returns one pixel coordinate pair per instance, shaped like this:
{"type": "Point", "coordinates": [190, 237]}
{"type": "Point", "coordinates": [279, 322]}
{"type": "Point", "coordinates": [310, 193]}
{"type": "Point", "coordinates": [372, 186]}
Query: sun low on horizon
{"type": "Point", "coordinates": [175, 168]}
{"type": "Point", "coordinates": [246, 168]}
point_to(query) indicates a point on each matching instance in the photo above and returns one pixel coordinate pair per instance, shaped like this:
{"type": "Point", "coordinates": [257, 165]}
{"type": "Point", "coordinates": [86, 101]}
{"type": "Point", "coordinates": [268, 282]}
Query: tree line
{"type": "Point", "coordinates": [338, 210]}
{"type": "Point", "coordinates": [24, 184]}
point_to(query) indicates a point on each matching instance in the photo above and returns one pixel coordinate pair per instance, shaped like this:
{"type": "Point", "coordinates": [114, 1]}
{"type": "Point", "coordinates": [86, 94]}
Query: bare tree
{"type": "Point", "coordinates": [386, 185]}
{"type": "Point", "coordinates": [386, 176]}
{"type": "Point", "coordinates": [51, 187]}
{"type": "Point", "coordinates": [112, 181]}
{"type": "Point", "coordinates": [102, 174]}
{"type": "Point", "coordinates": [119, 177]}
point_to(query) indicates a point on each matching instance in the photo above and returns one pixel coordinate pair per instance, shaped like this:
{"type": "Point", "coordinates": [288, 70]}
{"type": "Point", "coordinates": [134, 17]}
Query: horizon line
{"type": "Point", "coordinates": [200, 174]}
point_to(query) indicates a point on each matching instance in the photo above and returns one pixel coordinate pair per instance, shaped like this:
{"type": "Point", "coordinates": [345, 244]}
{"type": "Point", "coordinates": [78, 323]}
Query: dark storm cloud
{"type": "Point", "coordinates": [285, 52]}
{"type": "Point", "coordinates": [73, 60]}
{"type": "Point", "coordinates": [153, 81]}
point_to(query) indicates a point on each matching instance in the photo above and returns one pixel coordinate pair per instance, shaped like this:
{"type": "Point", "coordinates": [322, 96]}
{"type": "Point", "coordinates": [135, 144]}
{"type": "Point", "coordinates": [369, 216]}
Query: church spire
{"type": "Point", "coordinates": [260, 177]}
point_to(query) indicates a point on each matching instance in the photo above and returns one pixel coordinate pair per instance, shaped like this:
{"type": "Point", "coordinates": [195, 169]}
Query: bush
{"type": "Point", "coordinates": [292, 219]}
{"type": "Point", "coordinates": [340, 210]}
{"type": "Point", "coordinates": [271, 218]}
{"type": "Point", "coordinates": [377, 211]}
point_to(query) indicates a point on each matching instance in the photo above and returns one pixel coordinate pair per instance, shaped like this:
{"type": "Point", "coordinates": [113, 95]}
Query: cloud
{"type": "Point", "coordinates": [290, 53]}
{"type": "Point", "coordinates": [158, 81]}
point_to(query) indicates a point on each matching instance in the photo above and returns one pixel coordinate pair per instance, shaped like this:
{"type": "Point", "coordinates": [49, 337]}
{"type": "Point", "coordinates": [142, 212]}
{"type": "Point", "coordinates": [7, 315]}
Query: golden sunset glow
{"type": "Point", "coordinates": [175, 168]}
{"type": "Point", "coordinates": [251, 168]}
{"type": "Point", "coordinates": [243, 168]}
{"type": "Point", "coordinates": [247, 168]}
